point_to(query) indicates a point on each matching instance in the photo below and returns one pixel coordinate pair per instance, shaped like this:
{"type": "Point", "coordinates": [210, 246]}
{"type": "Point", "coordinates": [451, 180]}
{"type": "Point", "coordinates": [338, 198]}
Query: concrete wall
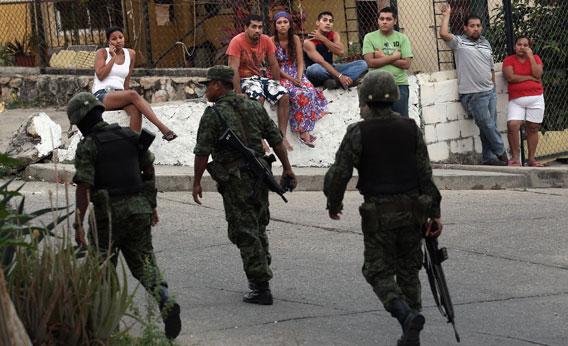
{"type": "Point", "coordinates": [450, 133]}
{"type": "Point", "coordinates": [451, 136]}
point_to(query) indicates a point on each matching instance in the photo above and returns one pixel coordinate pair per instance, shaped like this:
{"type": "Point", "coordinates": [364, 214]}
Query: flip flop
{"type": "Point", "coordinates": [513, 163]}
{"type": "Point", "coordinates": [169, 136]}
{"type": "Point", "coordinates": [307, 143]}
{"type": "Point", "coordinates": [535, 164]}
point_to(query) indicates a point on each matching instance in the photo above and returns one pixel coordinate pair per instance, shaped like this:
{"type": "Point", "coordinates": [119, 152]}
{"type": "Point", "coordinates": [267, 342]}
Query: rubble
{"type": "Point", "coordinates": [35, 139]}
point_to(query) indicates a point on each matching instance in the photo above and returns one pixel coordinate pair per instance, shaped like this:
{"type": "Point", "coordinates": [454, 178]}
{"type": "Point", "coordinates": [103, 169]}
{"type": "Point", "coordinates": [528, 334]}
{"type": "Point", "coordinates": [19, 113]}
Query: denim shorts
{"type": "Point", "coordinates": [101, 93]}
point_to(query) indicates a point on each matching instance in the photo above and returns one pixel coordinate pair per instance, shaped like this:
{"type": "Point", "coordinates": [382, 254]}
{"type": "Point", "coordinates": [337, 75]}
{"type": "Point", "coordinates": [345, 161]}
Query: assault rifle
{"type": "Point", "coordinates": [433, 258]}
{"type": "Point", "coordinates": [262, 173]}
{"type": "Point", "coordinates": [145, 140]}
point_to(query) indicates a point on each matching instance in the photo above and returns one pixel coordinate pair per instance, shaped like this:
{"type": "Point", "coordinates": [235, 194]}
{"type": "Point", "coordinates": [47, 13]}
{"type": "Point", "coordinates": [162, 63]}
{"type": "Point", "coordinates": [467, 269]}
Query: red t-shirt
{"type": "Point", "coordinates": [252, 57]}
{"type": "Point", "coordinates": [525, 88]}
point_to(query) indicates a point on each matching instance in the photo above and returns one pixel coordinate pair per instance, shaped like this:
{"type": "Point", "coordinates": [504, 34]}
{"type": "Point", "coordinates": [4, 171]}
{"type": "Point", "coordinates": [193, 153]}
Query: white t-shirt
{"type": "Point", "coordinates": [116, 77]}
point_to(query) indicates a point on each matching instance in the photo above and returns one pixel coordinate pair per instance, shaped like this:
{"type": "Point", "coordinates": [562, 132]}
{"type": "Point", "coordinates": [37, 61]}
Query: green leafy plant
{"type": "Point", "coordinates": [59, 297]}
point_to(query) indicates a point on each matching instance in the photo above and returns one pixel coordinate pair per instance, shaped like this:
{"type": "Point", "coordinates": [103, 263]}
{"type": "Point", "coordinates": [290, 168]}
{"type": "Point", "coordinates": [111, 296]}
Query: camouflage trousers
{"type": "Point", "coordinates": [393, 255]}
{"type": "Point", "coordinates": [131, 235]}
{"type": "Point", "coordinates": [247, 218]}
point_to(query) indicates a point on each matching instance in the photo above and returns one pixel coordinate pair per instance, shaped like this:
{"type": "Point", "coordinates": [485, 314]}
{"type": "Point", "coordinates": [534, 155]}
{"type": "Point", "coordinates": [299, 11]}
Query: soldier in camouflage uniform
{"type": "Point", "coordinates": [117, 176]}
{"type": "Point", "coordinates": [247, 215]}
{"type": "Point", "coordinates": [395, 178]}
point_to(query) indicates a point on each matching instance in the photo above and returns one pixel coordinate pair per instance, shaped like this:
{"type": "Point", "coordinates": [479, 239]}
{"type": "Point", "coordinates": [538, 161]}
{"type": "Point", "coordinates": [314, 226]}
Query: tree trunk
{"type": "Point", "coordinates": [12, 331]}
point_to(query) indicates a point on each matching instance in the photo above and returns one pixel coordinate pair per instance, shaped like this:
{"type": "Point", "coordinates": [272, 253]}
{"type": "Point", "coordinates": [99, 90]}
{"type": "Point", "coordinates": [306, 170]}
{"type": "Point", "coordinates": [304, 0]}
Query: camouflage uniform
{"type": "Point", "coordinates": [391, 223]}
{"type": "Point", "coordinates": [131, 215]}
{"type": "Point", "coordinates": [122, 221]}
{"type": "Point", "coordinates": [247, 218]}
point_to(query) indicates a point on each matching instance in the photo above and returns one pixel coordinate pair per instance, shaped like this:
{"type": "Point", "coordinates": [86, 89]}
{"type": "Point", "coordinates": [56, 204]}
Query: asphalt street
{"type": "Point", "coordinates": [508, 271]}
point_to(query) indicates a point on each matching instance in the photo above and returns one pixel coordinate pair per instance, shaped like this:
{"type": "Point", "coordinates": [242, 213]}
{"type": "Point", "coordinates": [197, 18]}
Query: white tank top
{"type": "Point", "coordinates": [117, 75]}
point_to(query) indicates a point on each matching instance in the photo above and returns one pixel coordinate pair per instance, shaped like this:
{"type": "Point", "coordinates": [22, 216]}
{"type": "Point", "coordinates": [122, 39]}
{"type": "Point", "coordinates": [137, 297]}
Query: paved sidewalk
{"type": "Point", "coordinates": [447, 177]}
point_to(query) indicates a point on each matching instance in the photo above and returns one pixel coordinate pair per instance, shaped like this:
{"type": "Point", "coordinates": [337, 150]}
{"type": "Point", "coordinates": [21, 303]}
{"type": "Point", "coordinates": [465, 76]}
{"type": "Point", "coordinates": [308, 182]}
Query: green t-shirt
{"type": "Point", "coordinates": [389, 44]}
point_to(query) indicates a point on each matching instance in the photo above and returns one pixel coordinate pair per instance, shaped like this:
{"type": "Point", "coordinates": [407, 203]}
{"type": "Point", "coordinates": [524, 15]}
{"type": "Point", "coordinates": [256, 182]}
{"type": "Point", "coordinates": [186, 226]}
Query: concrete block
{"type": "Point", "coordinates": [430, 134]}
{"type": "Point", "coordinates": [500, 83]}
{"type": "Point", "coordinates": [461, 146]}
{"type": "Point", "coordinates": [468, 128]}
{"type": "Point", "coordinates": [427, 94]}
{"type": "Point", "coordinates": [414, 95]}
{"type": "Point", "coordinates": [450, 130]}
{"type": "Point", "coordinates": [477, 144]}
{"type": "Point", "coordinates": [439, 151]}
{"type": "Point", "coordinates": [498, 67]}
{"type": "Point", "coordinates": [434, 114]}
{"type": "Point", "coordinates": [455, 111]}
{"type": "Point", "coordinates": [441, 76]}
{"type": "Point", "coordinates": [446, 91]}
{"type": "Point", "coordinates": [423, 78]}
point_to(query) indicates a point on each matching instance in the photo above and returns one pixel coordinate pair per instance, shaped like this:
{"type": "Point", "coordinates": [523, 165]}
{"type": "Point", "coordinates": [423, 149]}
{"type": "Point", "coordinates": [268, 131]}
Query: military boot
{"type": "Point", "coordinates": [170, 311]}
{"type": "Point", "coordinates": [410, 320]}
{"type": "Point", "coordinates": [259, 294]}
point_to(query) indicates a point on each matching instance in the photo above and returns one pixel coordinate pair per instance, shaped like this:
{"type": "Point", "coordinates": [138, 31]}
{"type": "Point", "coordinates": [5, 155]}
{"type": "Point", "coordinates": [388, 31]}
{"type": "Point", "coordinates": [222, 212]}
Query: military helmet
{"type": "Point", "coordinates": [378, 86]}
{"type": "Point", "coordinates": [80, 105]}
{"type": "Point", "coordinates": [220, 72]}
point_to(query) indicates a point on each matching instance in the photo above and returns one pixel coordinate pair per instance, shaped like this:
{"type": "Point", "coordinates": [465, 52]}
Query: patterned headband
{"type": "Point", "coordinates": [282, 14]}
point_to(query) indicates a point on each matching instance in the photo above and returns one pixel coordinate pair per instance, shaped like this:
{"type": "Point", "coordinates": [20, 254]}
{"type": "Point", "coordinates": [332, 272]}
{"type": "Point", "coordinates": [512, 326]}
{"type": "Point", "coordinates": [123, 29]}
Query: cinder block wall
{"type": "Point", "coordinates": [450, 133]}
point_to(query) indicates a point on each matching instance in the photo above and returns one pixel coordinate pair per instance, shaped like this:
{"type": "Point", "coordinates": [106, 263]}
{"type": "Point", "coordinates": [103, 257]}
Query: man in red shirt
{"type": "Point", "coordinates": [257, 73]}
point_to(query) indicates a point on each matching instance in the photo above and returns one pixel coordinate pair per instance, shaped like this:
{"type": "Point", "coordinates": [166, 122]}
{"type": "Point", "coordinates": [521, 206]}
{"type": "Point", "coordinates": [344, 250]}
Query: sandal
{"type": "Point", "coordinates": [169, 136]}
{"type": "Point", "coordinates": [513, 163]}
{"type": "Point", "coordinates": [535, 163]}
{"type": "Point", "coordinates": [305, 142]}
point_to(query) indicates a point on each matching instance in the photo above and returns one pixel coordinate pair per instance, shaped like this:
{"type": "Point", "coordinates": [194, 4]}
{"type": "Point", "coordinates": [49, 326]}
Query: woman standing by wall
{"type": "Point", "coordinates": [523, 70]}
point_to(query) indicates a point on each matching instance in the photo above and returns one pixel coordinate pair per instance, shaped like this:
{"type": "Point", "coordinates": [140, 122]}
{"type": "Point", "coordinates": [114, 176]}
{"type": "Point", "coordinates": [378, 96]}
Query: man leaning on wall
{"type": "Point", "coordinates": [476, 83]}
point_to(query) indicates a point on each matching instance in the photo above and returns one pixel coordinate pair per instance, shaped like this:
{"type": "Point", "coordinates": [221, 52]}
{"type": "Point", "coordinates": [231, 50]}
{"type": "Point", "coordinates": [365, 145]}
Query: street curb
{"type": "Point", "coordinates": [537, 177]}
{"type": "Point", "coordinates": [449, 177]}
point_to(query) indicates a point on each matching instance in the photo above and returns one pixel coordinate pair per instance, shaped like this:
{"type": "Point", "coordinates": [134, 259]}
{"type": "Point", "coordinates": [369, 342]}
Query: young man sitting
{"type": "Point", "coordinates": [250, 55]}
{"type": "Point", "coordinates": [323, 44]}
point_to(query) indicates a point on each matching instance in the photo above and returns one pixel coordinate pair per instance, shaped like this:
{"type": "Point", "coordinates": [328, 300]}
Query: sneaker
{"type": "Point", "coordinates": [330, 84]}
{"type": "Point", "coordinates": [172, 321]}
{"type": "Point", "coordinates": [503, 157]}
{"type": "Point", "coordinates": [494, 162]}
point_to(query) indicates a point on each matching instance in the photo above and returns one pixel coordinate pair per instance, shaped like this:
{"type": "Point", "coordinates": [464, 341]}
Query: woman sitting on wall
{"type": "Point", "coordinates": [523, 70]}
{"type": "Point", "coordinates": [113, 68]}
{"type": "Point", "coordinates": [307, 104]}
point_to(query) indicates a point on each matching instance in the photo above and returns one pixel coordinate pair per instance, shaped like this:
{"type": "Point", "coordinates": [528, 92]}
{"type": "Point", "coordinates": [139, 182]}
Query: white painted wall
{"type": "Point", "coordinates": [434, 105]}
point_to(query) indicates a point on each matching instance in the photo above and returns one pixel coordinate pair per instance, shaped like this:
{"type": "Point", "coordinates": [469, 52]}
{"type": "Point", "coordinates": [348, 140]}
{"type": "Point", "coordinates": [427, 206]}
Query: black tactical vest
{"type": "Point", "coordinates": [117, 167]}
{"type": "Point", "coordinates": [388, 159]}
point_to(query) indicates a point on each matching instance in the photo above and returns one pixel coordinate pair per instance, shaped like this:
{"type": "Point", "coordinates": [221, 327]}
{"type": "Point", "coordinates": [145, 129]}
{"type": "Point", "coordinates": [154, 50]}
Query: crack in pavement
{"type": "Point", "coordinates": [379, 310]}
{"type": "Point", "coordinates": [323, 228]}
{"type": "Point", "coordinates": [513, 259]}
{"type": "Point", "coordinates": [541, 193]}
{"type": "Point", "coordinates": [509, 337]}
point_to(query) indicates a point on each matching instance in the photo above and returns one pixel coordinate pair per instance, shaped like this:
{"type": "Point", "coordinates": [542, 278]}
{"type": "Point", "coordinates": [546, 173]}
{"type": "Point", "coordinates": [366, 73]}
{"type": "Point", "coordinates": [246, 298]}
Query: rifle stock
{"type": "Point", "coordinates": [230, 139]}
{"type": "Point", "coordinates": [433, 258]}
